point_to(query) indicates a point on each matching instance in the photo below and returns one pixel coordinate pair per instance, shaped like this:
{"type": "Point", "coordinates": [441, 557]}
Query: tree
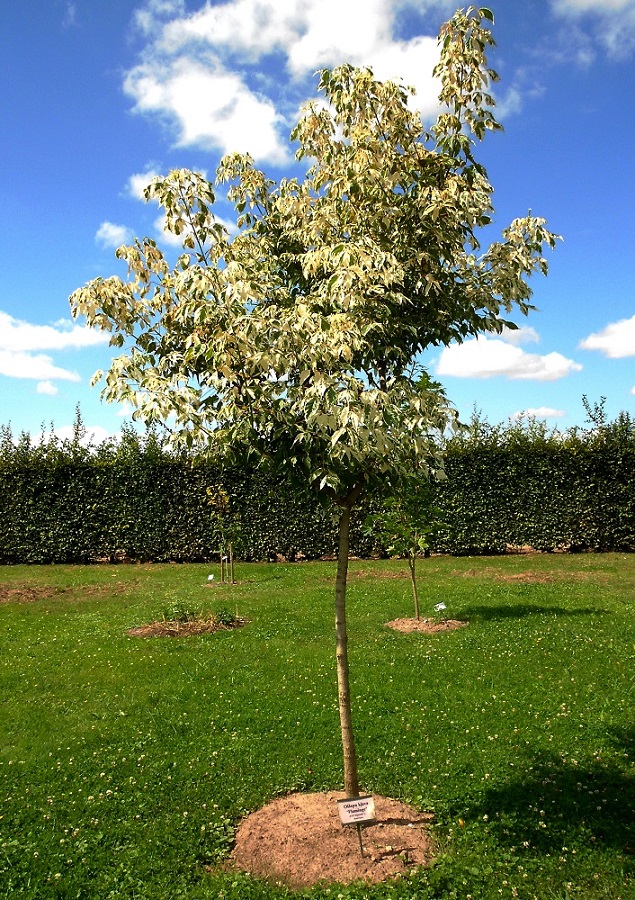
{"type": "Point", "coordinates": [295, 339]}
{"type": "Point", "coordinates": [406, 523]}
{"type": "Point", "coordinates": [229, 529]}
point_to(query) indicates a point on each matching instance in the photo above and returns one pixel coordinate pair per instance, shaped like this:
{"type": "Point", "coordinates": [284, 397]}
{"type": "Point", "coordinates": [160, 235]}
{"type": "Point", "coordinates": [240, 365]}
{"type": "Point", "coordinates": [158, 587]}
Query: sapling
{"type": "Point", "coordinates": [406, 523]}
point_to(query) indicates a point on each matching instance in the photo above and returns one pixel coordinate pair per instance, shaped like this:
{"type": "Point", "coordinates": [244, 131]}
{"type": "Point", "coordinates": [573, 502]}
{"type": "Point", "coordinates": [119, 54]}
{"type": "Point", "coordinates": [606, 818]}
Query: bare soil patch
{"type": "Point", "coordinates": [365, 573]}
{"type": "Point", "coordinates": [17, 592]}
{"type": "Point", "coordinates": [298, 841]}
{"type": "Point", "coordinates": [184, 629]}
{"type": "Point", "coordinates": [23, 593]}
{"type": "Point", "coordinates": [530, 576]}
{"type": "Point", "coordinates": [425, 626]}
{"type": "Point", "coordinates": [527, 578]}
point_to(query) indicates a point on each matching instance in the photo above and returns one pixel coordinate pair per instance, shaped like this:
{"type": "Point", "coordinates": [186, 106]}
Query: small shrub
{"type": "Point", "coordinates": [179, 611]}
{"type": "Point", "coordinates": [227, 618]}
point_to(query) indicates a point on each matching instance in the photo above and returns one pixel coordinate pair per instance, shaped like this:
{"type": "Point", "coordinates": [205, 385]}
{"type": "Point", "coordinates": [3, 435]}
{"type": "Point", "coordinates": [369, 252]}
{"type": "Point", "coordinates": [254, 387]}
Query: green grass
{"type": "Point", "coordinates": [126, 763]}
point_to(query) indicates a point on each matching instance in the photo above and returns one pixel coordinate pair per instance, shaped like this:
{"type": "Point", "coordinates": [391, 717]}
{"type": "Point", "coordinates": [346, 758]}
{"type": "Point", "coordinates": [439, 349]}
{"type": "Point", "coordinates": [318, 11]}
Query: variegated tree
{"type": "Point", "coordinates": [296, 338]}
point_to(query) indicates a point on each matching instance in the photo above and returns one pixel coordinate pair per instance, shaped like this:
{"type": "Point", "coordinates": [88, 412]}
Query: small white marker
{"type": "Point", "coordinates": [439, 607]}
{"type": "Point", "coordinates": [210, 577]}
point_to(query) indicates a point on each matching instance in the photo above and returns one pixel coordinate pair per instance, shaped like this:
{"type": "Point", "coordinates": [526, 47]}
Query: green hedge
{"type": "Point", "coordinates": [568, 498]}
{"type": "Point", "coordinates": [524, 485]}
{"type": "Point", "coordinates": [61, 502]}
{"type": "Point", "coordinates": [506, 487]}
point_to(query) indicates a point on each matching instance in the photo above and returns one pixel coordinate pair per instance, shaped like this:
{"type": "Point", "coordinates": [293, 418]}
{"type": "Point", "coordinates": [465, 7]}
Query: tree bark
{"type": "Point", "coordinates": [351, 784]}
{"type": "Point", "coordinates": [412, 562]}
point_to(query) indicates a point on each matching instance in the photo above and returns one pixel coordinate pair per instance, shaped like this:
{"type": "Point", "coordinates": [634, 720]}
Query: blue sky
{"type": "Point", "coordinates": [96, 97]}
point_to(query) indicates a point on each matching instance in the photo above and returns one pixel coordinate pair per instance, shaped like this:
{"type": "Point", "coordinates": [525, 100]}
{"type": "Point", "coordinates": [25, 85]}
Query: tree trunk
{"type": "Point", "coordinates": [412, 562]}
{"type": "Point", "coordinates": [351, 785]}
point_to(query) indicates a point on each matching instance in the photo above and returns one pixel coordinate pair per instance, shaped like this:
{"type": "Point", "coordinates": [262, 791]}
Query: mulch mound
{"type": "Point", "coordinates": [298, 841]}
{"type": "Point", "coordinates": [183, 629]}
{"type": "Point", "coordinates": [425, 626]}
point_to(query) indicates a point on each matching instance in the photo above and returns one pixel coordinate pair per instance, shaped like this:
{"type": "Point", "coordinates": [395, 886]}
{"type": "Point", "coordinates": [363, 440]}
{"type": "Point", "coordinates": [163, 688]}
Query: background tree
{"type": "Point", "coordinates": [228, 526]}
{"type": "Point", "coordinates": [406, 524]}
{"type": "Point", "coordinates": [294, 339]}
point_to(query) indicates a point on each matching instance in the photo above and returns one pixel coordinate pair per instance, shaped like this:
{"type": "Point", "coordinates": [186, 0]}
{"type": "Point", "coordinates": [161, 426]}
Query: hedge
{"type": "Point", "coordinates": [506, 487]}
{"type": "Point", "coordinates": [569, 498]}
{"type": "Point", "coordinates": [523, 485]}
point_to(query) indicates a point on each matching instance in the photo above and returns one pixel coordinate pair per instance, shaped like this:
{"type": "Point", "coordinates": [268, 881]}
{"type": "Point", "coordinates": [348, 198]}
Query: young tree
{"type": "Point", "coordinates": [406, 523]}
{"type": "Point", "coordinates": [229, 528]}
{"type": "Point", "coordinates": [295, 338]}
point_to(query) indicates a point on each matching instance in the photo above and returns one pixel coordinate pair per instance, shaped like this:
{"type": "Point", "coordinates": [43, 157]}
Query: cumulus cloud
{"type": "Point", "coordinates": [538, 412]}
{"type": "Point", "coordinates": [168, 238]}
{"type": "Point", "coordinates": [616, 341]}
{"type": "Point", "coordinates": [138, 182]}
{"type": "Point", "coordinates": [487, 357]}
{"type": "Point", "coordinates": [33, 365]}
{"type": "Point", "coordinates": [20, 343]}
{"type": "Point", "coordinates": [125, 410]}
{"type": "Point", "coordinates": [211, 105]}
{"type": "Point", "coordinates": [230, 75]}
{"type": "Point", "coordinates": [149, 19]}
{"type": "Point", "coordinates": [47, 388]}
{"type": "Point", "coordinates": [111, 235]}
{"type": "Point", "coordinates": [17, 335]}
{"type": "Point", "coordinates": [524, 334]}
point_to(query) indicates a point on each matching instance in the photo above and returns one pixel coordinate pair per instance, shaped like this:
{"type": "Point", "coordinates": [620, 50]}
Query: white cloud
{"type": "Point", "coordinates": [138, 182]}
{"type": "Point", "coordinates": [487, 357]}
{"type": "Point", "coordinates": [230, 75]}
{"type": "Point", "coordinates": [29, 365]}
{"type": "Point", "coordinates": [524, 334]}
{"type": "Point", "coordinates": [125, 410]}
{"type": "Point", "coordinates": [575, 7]}
{"type": "Point", "coordinates": [212, 107]}
{"type": "Point", "coordinates": [20, 342]}
{"type": "Point", "coordinates": [47, 388]}
{"type": "Point", "coordinates": [538, 412]}
{"type": "Point", "coordinates": [613, 21]}
{"type": "Point", "coordinates": [616, 341]}
{"type": "Point", "coordinates": [510, 102]}
{"type": "Point", "coordinates": [176, 240]}
{"type": "Point", "coordinates": [412, 62]}
{"type": "Point", "coordinates": [111, 235]}
{"type": "Point", "coordinates": [249, 27]}
{"type": "Point", "coordinates": [362, 34]}
{"type": "Point", "coordinates": [17, 335]}
{"type": "Point", "coordinates": [168, 237]}
{"type": "Point", "coordinates": [148, 19]}
{"type": "Point", "coordinates": [70, 16]}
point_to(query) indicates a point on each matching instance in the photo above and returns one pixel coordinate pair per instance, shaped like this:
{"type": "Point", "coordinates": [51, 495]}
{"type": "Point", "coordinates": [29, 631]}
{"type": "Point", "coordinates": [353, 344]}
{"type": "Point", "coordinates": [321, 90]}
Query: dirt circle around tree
{"type": "Point", "coordinates": [298, 840]}
{"type": "Point", "coordinates": [426, 626]}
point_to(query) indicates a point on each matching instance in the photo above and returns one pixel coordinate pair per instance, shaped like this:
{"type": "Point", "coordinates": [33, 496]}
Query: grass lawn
{"type": "Point", "coordinates": [126, 762]}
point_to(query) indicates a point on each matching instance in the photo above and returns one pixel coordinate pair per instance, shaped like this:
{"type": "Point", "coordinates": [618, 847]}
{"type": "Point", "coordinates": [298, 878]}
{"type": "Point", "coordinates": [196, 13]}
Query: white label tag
{"type": "Point", "coordinates": [356, 810]}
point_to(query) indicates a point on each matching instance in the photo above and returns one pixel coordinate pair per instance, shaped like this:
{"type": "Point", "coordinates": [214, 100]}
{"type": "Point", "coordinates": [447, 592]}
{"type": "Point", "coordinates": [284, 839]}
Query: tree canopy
{"type": "Point", "coordinates": [297, 335]}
